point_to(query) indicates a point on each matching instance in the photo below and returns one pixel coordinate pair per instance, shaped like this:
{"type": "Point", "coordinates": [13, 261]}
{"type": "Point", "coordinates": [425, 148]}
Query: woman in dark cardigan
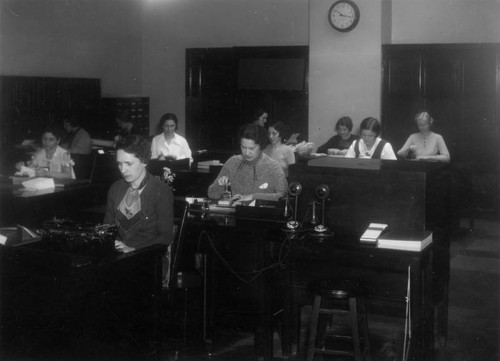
{"type": "Point", "coordinates": [140, 204]}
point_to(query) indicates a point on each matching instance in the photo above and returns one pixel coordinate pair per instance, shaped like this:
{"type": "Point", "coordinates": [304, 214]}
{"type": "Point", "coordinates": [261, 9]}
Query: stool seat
{"type": "Point", "coordinates": [337, 288]}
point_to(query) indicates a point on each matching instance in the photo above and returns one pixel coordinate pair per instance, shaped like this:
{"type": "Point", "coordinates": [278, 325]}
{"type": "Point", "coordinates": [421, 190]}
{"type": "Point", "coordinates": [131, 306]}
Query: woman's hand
{"type": "Point", "coordinates": [122, 247]}
{"type": "Point", "coordinates": [333, 151]}
{"type": "Point", "coordinates": [238, 199]}
{"type": "Point", "coordinates": [42, 172]}
{"type": "Point", "coordinates": [224, 180]}
{"type": "Point", "coordinates": [19, 165]}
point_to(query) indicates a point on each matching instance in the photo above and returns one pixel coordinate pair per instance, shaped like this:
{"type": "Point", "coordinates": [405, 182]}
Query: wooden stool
{"type": "Point", "coordinates": [353, 293]}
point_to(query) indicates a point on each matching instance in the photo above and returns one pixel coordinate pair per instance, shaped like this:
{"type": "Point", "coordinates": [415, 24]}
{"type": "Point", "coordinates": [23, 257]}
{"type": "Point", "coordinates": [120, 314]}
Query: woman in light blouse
{"type": "Point", "coordinates": [277, 150]}
{"type": "Point", "coordinates": [51, 160]}
{"type": "Point", "coordinates": [169, 144]}
{"type": "Point", "coordinates": [425, 145]}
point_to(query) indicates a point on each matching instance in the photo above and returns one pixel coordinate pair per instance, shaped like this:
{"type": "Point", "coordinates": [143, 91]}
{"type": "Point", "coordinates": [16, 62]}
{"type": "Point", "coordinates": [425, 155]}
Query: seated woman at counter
{"type": "Point", "coordinates": [425, 145]}
{"type": "Point", "coordinates": [252, 174]}
{"type": "Point", "coordinates": [277, 150]}
{"type": "Point", "coordinates": [141, 205]}
{"type": "Point", "coordinates": [51, 160]}
{"type": "Point", "coordinates": [169, 144]}
{"type": "Point", "coordinates": [339, 143]}
{"type": "Point", "coordinates": [370, 145]}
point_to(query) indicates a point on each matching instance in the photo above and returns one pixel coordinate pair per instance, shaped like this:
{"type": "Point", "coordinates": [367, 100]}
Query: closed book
{"type": "Point", "coordinates": [373, 232]}
{"type": "Point", "coordinates": [407, 241]}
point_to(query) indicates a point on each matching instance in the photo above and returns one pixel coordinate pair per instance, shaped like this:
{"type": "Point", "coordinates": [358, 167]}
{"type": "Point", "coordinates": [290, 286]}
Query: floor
{"type": "Point", "coordinates": [473, 324]}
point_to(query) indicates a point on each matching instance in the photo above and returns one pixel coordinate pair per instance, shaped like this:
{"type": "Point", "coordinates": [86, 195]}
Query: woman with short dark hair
{"type": "Point", "coordinates": [339, 143]}
{"type": "Point", "coordinates": [140, 204]}
{"type": "Point", "coordinates": [51, 160]}
{"type": "Point", "coordinates": [260, 116]}
{"type": "Point", "coordinates": [169, 144]}
{"type": "Point", "coordinates": [370, 145]}
{"type": "Point", "coordinates": [277, 150]}
{"type": "Point", "coordinates": [252, 174]}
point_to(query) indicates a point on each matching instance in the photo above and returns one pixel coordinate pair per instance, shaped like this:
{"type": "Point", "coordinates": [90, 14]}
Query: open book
{"type": "Point", "coordinates": [408, 241]}
{"type": "Point", "coordinates": [373, 232]}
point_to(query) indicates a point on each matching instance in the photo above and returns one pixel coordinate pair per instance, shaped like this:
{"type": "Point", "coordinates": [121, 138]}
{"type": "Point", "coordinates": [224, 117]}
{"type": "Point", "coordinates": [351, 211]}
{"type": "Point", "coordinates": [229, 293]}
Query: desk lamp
{"type": "Point", "coordinates": [294, 190]}
{"type": "Point", "coordinates": [322, 191]}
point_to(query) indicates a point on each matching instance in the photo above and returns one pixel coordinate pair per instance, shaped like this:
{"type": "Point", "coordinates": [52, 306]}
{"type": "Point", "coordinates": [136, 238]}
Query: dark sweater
{"type": "Point", "coordinates": [338, 143]}
{"type": "Point", "coordinates": [153, 224]}
{"type": "Point", "coordinates": [265, 180]}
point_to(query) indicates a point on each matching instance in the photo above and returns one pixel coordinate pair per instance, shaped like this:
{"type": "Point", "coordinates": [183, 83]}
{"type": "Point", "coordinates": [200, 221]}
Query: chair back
{"type": "Point", "coordinates": [104, 170]}
{"type": "Point", "coordinates": [181, 208]}
{"type": "Point", "coordinates": [84, 165]}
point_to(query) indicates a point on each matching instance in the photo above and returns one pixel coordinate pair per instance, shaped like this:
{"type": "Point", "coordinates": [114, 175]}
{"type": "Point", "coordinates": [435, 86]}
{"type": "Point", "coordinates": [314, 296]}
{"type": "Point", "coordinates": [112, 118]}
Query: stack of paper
{"type": "Point", "coordinates": [39, 183]}
{"type": "Point", "coordinates": [407, 241]}
{"type": "Point", "coordinates": [207, 163]}
{"type": "Point", "coordinates": [373, 232]}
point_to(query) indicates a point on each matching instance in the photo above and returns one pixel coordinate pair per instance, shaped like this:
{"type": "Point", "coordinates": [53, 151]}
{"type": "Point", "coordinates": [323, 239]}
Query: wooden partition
{"type": "Point", "coordinates": [406, 195]}
{"type": "Point", "coordinates": [28, 102]}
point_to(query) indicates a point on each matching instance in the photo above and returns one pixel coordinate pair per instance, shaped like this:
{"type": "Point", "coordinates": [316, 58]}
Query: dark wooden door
{"type": "Point", "coordinates": [221, 92]}
{"type": "Point", "coordinates": [459, 85]}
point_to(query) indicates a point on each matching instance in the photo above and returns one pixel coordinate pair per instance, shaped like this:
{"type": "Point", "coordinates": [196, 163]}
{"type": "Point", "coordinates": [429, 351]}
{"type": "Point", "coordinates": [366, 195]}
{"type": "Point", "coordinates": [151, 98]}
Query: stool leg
{"type": "Point", "coordinates": [184, 332]}
{"type": "Point", "coordinates": [314, 326]}
{"type": "Point", "coordinates": [364, 329]}
{"type": "Point", "coordinates": [355, 327]}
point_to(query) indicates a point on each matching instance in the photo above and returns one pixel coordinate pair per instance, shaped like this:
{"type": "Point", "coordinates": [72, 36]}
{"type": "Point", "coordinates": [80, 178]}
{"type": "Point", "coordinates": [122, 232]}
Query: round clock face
{"type": "Point", "coordinates": [344, 15]}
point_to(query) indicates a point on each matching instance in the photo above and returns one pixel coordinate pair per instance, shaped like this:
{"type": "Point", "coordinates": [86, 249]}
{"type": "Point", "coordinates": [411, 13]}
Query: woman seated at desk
{"type": "Point", "coordinates": [277, 150]}
{"type": "Point", "coordinates": [51, 160]}
{"type": "Point", "coordinates": [140, 204]}
{"type": "Point", "coordinates": [339, 143]}
{"type": "Point", "coordinates": [370, 145]}
{"type": "Point", "coordinates": [425, 145]}
{"type": "Point", "coordinates": [253, 174]}
{"type": "Point", "coordinates": [169, 144]}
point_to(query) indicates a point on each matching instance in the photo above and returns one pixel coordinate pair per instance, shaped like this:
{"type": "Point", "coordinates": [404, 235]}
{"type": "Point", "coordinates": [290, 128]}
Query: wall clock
{"type": "Point", "coordinates": [344, 15]}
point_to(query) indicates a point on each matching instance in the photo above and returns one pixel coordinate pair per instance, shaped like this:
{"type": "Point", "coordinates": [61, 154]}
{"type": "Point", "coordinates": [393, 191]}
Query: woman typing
{"type": "Point", "coordinates": [252, 174]}
{"type": "Point", "coordinates": [141, 205]}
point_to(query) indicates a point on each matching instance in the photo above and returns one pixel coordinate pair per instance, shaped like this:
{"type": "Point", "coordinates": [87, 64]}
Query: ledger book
{"type": "Point", "coordinates": [407, 241]}
{"type": "Point", "coordinates": [373, 232]}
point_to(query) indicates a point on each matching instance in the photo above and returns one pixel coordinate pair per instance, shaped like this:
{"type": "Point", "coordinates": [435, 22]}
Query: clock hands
{"type": "Point", "coordinates": [340, 14]}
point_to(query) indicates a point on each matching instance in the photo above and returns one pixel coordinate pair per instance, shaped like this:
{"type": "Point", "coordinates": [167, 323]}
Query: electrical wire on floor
{"type": "Point", "coordinates": [281, 263]}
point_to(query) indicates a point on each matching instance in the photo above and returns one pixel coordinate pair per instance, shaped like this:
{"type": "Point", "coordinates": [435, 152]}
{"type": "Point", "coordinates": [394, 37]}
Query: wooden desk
{"type": "Point", "coordinates": [61, 305]}
{"type": "Point", "coordinates": [405, 195]}
{"type": "Point", "coordinates": [240, 272]}
{"type": "Point", "coordinates": [30, 207]}
{"type": "Point", "coordinates": [386, 272]}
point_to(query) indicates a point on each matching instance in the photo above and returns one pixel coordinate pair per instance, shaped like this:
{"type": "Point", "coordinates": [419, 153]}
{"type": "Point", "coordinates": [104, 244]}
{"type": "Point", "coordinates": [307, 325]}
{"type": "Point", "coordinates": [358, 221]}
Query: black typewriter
{"type": "Point", "coordinates": [66, 236]}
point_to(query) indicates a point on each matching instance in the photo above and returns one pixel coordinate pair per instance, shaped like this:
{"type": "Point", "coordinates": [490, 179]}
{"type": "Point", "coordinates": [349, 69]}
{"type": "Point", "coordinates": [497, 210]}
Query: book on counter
{"type": "Point", "coordinates": [407, 241]}
{"type": "Point", "coordinates": [373, 232]}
